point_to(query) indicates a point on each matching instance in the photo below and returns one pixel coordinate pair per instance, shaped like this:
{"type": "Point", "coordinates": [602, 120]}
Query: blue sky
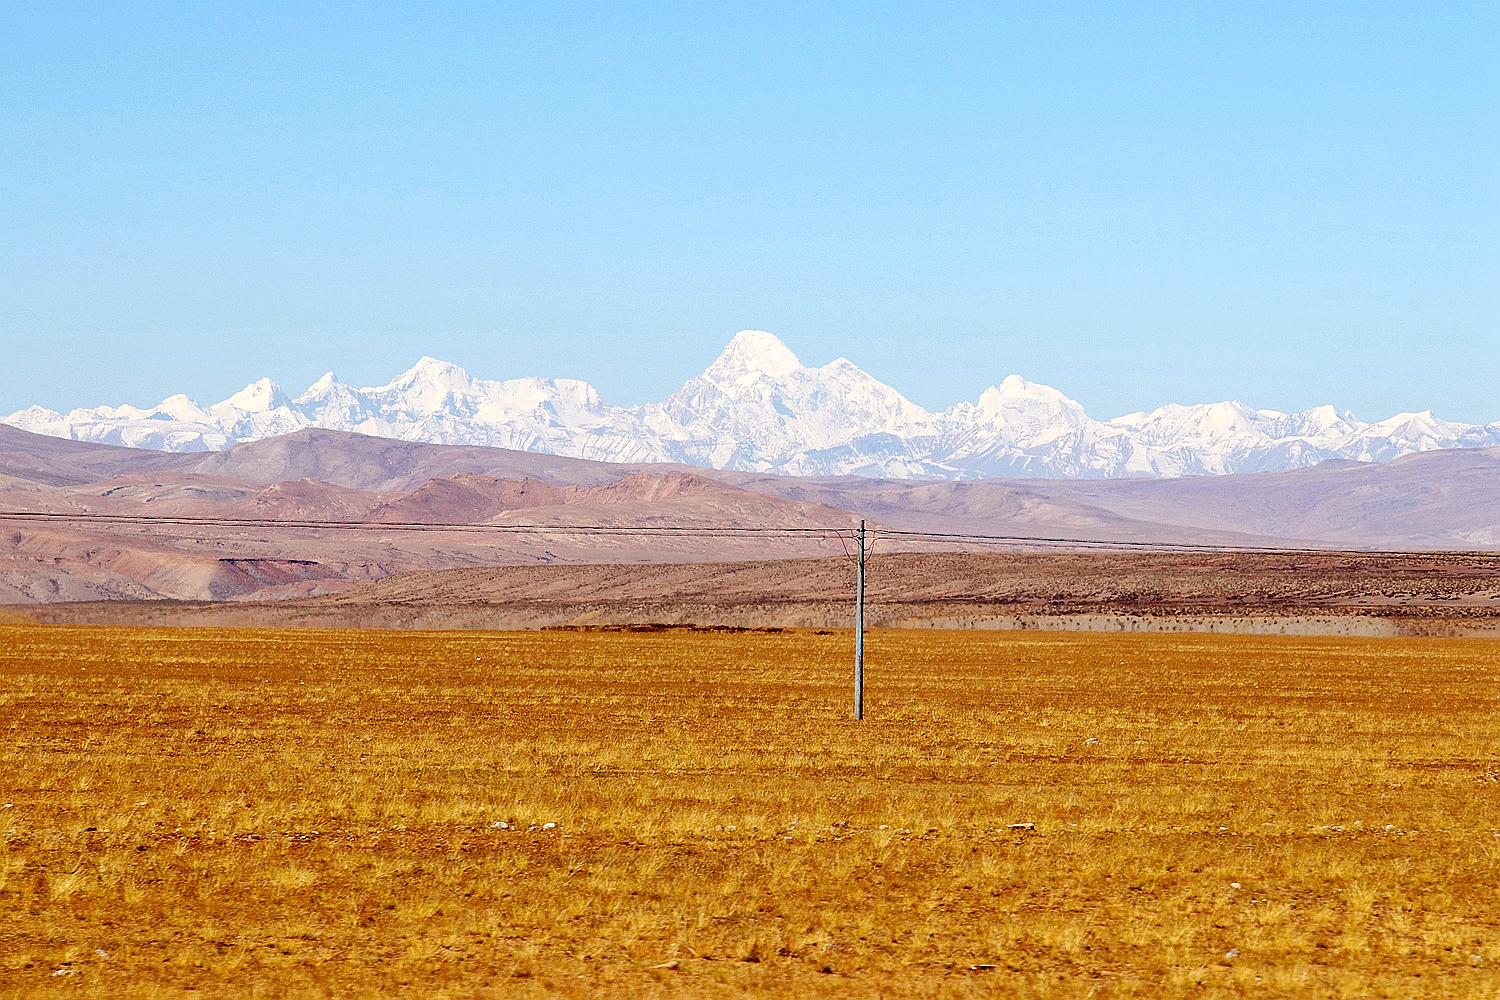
{"type": "Point", "coordinates": [1178, 203]}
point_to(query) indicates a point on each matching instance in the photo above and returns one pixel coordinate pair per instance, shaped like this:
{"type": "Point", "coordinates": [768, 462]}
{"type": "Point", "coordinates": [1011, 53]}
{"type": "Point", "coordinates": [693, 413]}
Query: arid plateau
{"type": "Point", "coordinates": [471, 722]}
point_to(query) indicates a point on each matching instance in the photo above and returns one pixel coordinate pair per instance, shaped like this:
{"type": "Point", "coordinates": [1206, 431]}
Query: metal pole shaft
{"type": "Point", "coordinates": [859, 627]}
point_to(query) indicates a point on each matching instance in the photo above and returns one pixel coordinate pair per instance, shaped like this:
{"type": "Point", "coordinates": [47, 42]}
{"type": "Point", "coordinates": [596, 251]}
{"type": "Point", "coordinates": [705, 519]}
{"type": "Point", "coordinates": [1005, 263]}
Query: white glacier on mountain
{"type": "Point", "coordinates": [758, 409]}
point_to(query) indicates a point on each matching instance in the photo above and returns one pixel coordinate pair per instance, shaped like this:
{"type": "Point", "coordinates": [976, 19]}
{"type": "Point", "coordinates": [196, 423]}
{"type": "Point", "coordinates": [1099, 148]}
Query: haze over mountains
{"type": "Point", "coordinates": [758, 409]}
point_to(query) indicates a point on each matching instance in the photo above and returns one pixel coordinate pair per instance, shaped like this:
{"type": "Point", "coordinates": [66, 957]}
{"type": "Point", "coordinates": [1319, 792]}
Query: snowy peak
{"type": "Point", "coordinates": [429, 376]}
{"type": "Point", "coordinates": [327, 386]}
{"type": "Point", "coordinates": [257, 397]}
{"type": "Point", "coordinates": [180, 407]}
{"type": "Point", "coordinates": [1017, 398]}
{"type": "Point", "coordinates": [753, 353]}
{"type": "Point", "coordinates": [757, 408]}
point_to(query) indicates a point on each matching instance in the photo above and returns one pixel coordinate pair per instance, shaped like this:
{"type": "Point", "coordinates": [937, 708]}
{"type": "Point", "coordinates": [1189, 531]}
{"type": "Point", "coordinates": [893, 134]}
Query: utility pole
{"type": "Point", "coordinates": [859, 626]}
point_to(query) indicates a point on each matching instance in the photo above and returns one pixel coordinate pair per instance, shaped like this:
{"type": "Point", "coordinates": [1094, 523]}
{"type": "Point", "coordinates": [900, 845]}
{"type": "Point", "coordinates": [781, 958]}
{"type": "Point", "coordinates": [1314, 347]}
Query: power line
{"type": "Point", "coordinates": [965, 538]}
{"type": "Point", "coordinates": [682, 531]}
{"type": "Point", "coordinates": [695, 531]}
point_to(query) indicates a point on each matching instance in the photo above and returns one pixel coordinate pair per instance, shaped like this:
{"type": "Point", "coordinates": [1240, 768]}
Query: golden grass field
{"type": "Point", "coordinates": [301, 813]}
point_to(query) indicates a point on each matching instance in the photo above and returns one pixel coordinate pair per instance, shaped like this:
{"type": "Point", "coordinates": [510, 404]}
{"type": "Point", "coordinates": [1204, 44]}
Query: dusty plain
{"type": "Point", "coordinates": [1312, 593]}
{"type": "Point", "coordinates": [691, 812]}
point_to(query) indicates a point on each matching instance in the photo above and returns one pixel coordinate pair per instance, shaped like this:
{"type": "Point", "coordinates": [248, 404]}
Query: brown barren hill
{"type": "Point", "coordinates": [636, 498]}
{"type": "Point", "coordinates": [466, 498]}
{"type": "Point", "coordinates": [85, 560]}
{"type": "Point", "coordinates": [174, 494]}
{"type": "Point", "coordinates": [310, 500]}
{"type": "Point", "coordinates": [1446, 499]}
{"type": "Point", "coordinates": [59, 462]}
{"type": "Point", "coordinates": [378, 464]}
{"type": "Point", "coordinates": [682, 499]}
{"type": "Point", "coordinates": [1440, 500]}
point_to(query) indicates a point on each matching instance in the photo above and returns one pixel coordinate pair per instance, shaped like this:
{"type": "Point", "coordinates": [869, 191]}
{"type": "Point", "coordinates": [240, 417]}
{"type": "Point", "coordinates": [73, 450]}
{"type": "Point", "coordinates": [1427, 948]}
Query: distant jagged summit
{"type": "Point", "coordinates": [753, 353]}
{"type": "Point", "coordinates": [757, 408]}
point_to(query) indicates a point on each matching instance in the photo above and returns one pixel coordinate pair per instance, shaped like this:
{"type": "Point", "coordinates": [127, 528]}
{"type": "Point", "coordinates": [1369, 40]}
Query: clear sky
{"type": "Point", "coordinates": [1137, 204]}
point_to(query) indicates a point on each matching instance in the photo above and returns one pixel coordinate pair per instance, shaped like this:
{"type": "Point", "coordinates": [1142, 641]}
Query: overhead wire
{"type": "Point", "coordinates": [1116, 544]}
{"type": "Point", "coordinates": [696, 531]}
{"type": "Point", "coordinates": [845, 535]}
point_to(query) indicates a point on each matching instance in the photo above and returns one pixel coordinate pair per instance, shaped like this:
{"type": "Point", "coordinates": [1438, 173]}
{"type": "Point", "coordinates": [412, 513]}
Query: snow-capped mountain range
{"type": "Point", "coordinates": [758, 409]}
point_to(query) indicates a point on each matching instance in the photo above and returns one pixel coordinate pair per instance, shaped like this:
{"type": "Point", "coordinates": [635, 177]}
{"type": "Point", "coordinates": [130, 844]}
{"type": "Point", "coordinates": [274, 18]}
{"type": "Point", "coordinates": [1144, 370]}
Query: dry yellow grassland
{"type": "Point", "coordinates": [291, 813]}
